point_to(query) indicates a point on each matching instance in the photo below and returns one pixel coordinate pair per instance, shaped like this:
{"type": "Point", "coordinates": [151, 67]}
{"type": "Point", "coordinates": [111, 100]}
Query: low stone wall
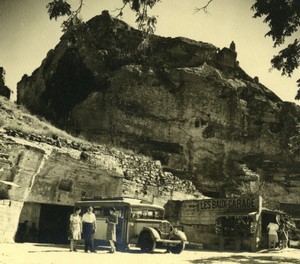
{"type": "Point", "coordinates": [144, 178]}
{"type": "Point", "coordinates": [10, 213]}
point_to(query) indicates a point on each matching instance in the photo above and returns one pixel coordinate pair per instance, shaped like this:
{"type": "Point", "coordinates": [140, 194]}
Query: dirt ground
{"type": "Point", "coordinates": [28, 253]}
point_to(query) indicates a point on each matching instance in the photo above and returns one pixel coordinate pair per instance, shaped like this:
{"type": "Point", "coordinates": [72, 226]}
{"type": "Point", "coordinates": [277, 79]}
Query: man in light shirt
{"type": "Point", "coordinates": [89, 228]}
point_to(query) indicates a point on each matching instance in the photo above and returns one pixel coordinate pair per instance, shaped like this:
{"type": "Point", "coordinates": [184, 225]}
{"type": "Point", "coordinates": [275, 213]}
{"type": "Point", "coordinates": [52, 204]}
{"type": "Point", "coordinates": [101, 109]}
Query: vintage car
{"type": "Point", "coordinates": [141, 224]}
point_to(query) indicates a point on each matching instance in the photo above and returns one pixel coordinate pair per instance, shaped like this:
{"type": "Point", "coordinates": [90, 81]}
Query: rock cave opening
{"type": "Point", "coordinates": [71, 83]}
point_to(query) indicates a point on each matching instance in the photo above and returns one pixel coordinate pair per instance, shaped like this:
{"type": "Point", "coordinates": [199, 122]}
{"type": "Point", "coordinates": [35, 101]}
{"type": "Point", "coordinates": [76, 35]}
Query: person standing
{"type": "Point", "coordinates": [273, 236]}
{"type": "Point", "coordinates": [89, 229]}
{"type": "Point", "coordinates": [22, 233]}
{"type": "Point", "coordinates": [283, 236]}
{"type": "Point", "coordinates": [75, 228]}
{"type": "Point", "coordinates": [112, 221]}
{"type": "Point", "coordinates": [33, 233]}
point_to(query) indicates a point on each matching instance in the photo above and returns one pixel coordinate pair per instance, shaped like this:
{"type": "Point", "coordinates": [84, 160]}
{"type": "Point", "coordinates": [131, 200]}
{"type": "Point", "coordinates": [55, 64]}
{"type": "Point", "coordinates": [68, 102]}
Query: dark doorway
{"type": "Point", "coordinates": [266, 218]}
{"type": "Point", "coordinates": [54, 224]}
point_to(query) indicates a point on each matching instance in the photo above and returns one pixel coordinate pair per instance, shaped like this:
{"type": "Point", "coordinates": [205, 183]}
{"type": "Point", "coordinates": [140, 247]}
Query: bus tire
{"type": "Point", "coordinates": [146, 242]}
{"type": "Point", "coordinates": [178, 248]}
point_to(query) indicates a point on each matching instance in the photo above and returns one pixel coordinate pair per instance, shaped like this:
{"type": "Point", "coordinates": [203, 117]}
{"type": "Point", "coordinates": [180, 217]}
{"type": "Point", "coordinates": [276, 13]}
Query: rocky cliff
{"type": "Point", "coordinates": [183, 102]}
{"type": "Point", "coordinates": [42, 166]}
{"type": "Point", "coordinates": [4, 90]}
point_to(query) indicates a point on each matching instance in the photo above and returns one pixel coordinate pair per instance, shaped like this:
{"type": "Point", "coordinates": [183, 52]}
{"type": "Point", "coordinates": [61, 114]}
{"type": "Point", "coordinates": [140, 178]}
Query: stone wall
{"type": "Point", "coordinates": [10, 213]}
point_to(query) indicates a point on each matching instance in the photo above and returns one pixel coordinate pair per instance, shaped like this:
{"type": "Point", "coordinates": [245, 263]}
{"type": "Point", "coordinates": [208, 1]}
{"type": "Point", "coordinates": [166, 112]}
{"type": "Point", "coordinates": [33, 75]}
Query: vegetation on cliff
{"type": "Point", "coordinates": [18, 118]}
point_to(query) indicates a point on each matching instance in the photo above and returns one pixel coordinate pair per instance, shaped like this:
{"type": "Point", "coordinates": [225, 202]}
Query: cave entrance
{"type": "Point", "coordinates": [70, 84]}
{"type": "Point", "coordinates": [54, 223]}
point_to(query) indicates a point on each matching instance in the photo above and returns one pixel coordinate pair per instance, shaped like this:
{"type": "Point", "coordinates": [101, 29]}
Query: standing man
{"type": "Point", "coordinates": [89, 228]}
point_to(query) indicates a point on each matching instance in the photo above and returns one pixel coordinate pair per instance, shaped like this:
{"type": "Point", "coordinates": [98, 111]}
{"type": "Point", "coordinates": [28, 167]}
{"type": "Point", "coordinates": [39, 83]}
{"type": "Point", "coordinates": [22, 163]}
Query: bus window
{"type": "Point", "coordinates": [106, 212]}
{"type": "Point", "coordinates": [158, 214]}
{"type": "Point", "coordinates": [136, 213]}
{"type": "Point", "coordinates": [98, 212]}
{"type": "Point", "coordinates": [150, 214]}
{"type": "Point", "coordinates": [103, 212]}
{"type": "Point", "coordinates": [146, 214]}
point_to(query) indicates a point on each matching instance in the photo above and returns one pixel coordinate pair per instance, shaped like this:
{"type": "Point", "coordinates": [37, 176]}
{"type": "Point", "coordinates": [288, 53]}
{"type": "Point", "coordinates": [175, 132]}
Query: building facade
{"type": "Point", "coordinates": [238, 223]}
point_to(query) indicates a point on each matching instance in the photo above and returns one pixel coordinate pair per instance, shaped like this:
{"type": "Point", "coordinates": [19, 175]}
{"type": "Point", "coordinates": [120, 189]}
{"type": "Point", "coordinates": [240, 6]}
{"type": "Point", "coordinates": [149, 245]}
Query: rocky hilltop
{"type": "Point", "coordinates": [183, 102]}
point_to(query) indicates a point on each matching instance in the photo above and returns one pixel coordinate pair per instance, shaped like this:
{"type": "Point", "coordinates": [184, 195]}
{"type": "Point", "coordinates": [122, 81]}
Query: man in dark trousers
{"type": "Point", "coordinates": [89, 227]}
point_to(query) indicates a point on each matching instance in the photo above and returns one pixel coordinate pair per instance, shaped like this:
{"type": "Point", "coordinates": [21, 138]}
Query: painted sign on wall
{"type": "Point", "coordinates": [235, 204]}
{"type": "Point", "coordinates": [205, 211]}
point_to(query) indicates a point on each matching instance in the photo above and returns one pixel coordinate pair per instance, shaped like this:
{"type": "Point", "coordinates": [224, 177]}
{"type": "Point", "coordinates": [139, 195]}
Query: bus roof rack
{"type": "Point", "coordinates": [96, 197]}
{"type": "Point", "coordinates": [114, 198]}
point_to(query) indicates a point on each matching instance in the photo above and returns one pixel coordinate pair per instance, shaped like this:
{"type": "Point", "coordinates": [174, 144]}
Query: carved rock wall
{"type": "Point", "coordinates": [10, 212]}
{"type": "Point", "coordinates": [200, 129]}
{"type": "Point", "coordinates": [38, 171]}
{"type": "Point", "coordinates": [183, 102]}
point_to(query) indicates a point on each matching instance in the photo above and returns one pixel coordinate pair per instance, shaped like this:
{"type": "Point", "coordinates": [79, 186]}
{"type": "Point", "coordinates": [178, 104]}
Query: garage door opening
{"type": "Point", "coordinates": [54, 224]}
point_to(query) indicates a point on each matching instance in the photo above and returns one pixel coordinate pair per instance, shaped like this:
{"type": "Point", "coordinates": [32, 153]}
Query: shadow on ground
{"type": "Point", "coordinates": [80, 248]}
{"type": "Point", "coordinates": [246, 260]}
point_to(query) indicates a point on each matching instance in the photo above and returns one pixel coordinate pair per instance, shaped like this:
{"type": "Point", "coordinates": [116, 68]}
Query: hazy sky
{"type": "Point", "coordinates": [27, 34]}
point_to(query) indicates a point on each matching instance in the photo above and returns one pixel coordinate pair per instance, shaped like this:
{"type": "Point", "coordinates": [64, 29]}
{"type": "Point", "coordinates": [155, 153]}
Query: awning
{"type": "Point", "coordinates": [238, 214]}
{"type": "Point", "coordinates": [267, 210]}
{"type": "Point", "coordinates": [10, 183]}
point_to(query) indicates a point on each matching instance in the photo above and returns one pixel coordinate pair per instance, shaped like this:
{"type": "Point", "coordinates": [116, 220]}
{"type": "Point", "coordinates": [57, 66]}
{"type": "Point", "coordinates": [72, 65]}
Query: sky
{"type": "Point", "coordinates": [27, 34]}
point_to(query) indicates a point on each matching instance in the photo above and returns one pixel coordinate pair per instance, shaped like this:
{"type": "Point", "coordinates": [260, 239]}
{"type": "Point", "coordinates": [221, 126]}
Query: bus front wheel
{"type": "Point", "coordinates": [146, 242]}
{"type": "Point", "coordinates": [178, 248]}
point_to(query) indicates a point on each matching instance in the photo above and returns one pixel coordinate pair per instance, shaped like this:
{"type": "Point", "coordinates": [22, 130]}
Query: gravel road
{"type": "Point", "coordinates": [28, 253]}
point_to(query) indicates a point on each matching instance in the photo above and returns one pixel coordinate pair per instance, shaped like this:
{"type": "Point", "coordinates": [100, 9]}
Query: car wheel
{"type": "Point", "coordinates": [178, 248]}
{"type": "Point", "coordinates": [146, 242]}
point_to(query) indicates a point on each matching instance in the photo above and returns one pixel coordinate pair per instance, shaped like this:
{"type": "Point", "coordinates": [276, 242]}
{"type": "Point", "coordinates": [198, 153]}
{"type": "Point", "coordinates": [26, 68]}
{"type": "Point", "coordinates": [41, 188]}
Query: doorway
{"type": "Point", "coordinates": [54, 223]}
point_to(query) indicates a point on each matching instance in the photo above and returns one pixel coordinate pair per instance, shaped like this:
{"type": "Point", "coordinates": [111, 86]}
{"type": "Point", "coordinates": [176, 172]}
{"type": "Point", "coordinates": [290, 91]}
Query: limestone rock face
{"type": "Point", "coordinates": [42, 165]}
{"type": "Point", "coordinates": [185, 103]}
{"type": "Point", "coordinates": [4, 90]}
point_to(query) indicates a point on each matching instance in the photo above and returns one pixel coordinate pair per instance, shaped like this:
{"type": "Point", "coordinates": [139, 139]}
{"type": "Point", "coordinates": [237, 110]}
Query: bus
{"type": "Point", "coordinates": [139, 223]}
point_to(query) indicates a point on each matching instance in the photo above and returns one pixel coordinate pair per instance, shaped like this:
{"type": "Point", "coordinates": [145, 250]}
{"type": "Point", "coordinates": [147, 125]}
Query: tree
{"type": "Point", "coordinates": [283, 19]}
{"type": "Point", "coordinates": [281, 16]}
{"type": "Point", "coordinates": [146, 23]}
